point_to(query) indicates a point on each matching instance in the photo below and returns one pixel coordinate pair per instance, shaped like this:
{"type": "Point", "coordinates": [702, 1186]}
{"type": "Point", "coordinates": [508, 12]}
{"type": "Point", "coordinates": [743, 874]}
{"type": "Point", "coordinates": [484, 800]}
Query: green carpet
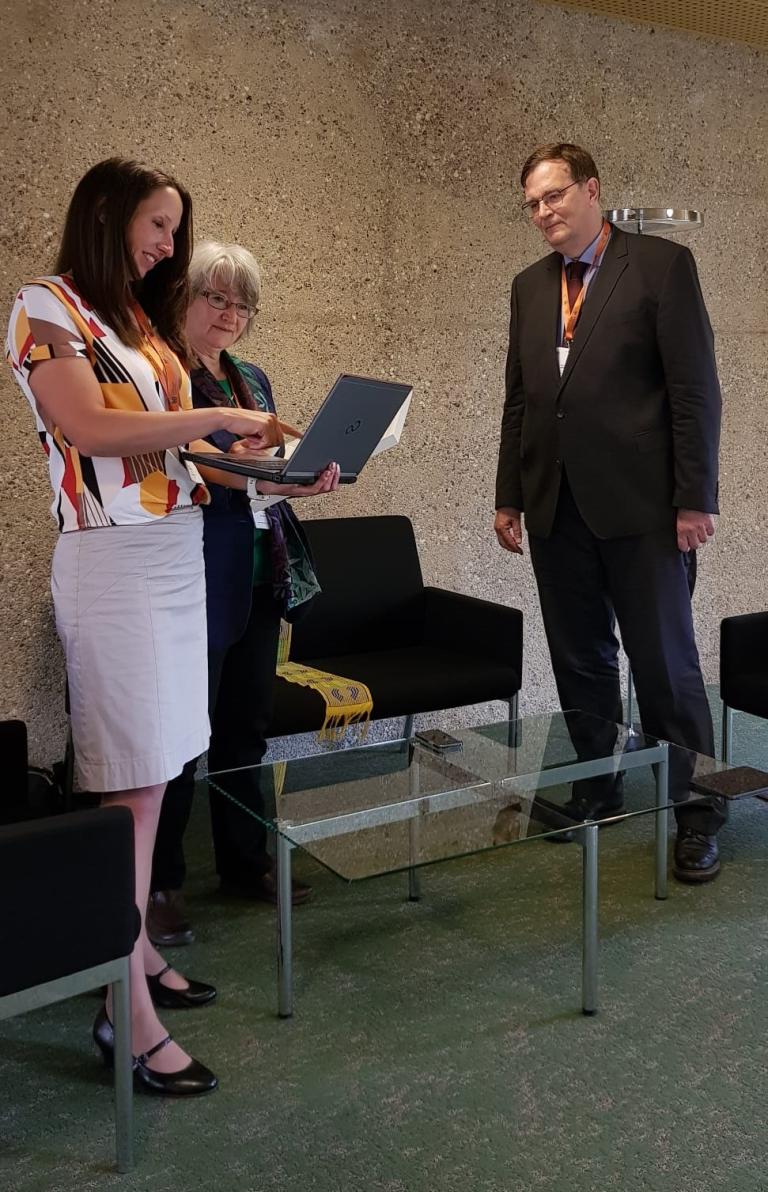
{"type": "Point", "coordinates": [440, 1045]}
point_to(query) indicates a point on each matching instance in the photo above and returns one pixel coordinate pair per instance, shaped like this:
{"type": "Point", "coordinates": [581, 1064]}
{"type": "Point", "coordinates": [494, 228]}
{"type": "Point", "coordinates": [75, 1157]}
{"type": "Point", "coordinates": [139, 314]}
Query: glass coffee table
{"type": "Point", "coordinates": [371, 810]}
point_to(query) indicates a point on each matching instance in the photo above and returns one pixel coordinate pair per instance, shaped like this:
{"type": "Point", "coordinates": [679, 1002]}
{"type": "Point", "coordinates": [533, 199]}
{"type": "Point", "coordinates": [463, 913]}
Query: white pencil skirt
{"type": "Point", "coordinates": [130, 612]}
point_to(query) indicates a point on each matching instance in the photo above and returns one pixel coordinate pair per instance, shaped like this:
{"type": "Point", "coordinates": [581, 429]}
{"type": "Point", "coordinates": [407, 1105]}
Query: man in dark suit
{"type": "Point", "coordinates": [609, 445]}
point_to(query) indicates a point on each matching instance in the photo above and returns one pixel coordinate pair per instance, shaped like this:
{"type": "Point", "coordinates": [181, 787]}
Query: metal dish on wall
{"type": "Point", "coordinates": [654, 219]}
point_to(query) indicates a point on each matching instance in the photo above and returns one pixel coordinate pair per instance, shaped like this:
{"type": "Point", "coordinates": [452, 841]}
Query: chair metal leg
{"type": "Point", "coordinates": [414, 885]}
{"type": "Point", "coordinates": [727, 734]}
{"type": "Point", "coordinates": [630, 697]}
{"type": "Point", "coordinates": [121, 1014]}
{"type": "Point", "coordinates": [513, 731]}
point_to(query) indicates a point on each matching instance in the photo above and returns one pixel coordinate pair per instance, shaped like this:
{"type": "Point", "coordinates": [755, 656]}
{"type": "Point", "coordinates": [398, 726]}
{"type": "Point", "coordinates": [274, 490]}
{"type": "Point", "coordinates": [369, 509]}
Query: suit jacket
{"type": "Point", "coordinates": [635, 418]}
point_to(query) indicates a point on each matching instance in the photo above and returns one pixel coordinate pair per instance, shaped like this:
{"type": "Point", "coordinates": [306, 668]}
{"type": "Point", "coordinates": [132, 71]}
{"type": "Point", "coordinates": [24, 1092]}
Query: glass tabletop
{"type": "Point", "coordinates": [373, 809]}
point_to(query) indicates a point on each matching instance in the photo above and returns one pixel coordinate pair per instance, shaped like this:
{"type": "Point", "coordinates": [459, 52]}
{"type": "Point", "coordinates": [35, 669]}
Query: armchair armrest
{"type": "Point", "coordinates": [743, 647]}
{"type": "Point", "coordinates": [471, 625]}
{"type": "Point", "coordinates": [67, 884]}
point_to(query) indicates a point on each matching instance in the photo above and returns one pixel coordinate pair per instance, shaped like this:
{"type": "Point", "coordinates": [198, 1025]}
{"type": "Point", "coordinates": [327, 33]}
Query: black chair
{"type": "Point", "coordinates": [743, 671]}
{"type": "Point", "coordinates": [69, 923]}
{"type": "Point", "coordinates": [418, 649]}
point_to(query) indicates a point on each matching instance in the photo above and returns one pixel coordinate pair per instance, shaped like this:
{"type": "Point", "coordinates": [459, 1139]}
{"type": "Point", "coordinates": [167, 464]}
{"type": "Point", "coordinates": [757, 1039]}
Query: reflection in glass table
{"type": "Point", "coordinates": [398, 806]}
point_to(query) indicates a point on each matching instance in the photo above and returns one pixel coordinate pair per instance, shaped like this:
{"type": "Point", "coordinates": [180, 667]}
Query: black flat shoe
{"type": "Point", "coordinates": [189, 1081]}
{"type": "Point", "coordinates": [196, 993]}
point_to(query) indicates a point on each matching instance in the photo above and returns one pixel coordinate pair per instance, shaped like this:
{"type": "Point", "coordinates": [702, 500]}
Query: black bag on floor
{"type": "Point", "coordinates": [28, 792]}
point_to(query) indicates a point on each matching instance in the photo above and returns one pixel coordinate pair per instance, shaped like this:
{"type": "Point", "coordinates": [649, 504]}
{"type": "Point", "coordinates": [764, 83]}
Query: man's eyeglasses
{"type": "Point", "coordinates": [552, 199]}
{"type": "Point", "coordinates": [219, 302]}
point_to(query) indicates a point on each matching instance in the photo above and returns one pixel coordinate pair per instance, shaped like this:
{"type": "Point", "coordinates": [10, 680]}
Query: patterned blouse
{"type": "Point", "coordinates": [50, 319]}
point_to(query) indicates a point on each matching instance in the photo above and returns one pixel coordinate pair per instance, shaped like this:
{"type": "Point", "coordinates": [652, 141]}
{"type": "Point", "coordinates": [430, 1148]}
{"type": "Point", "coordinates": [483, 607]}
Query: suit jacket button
{"type": "Point", "coordinates": [560, 414]}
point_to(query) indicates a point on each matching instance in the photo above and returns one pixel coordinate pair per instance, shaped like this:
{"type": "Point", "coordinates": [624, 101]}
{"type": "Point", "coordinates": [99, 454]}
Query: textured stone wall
{"type": "Point", "coordinates": [369, 155]}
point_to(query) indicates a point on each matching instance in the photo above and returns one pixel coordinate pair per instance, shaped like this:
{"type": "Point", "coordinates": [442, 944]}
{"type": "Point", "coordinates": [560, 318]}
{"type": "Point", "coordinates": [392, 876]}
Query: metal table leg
{"type": "Point", "coordinates": [589, 921]}
{"type": "Point", "coordinates": [121, 1017]}
{"type": "Point", "coordinates": [662, 821]}
{"type": "Point", "coordinates": [284, 929]}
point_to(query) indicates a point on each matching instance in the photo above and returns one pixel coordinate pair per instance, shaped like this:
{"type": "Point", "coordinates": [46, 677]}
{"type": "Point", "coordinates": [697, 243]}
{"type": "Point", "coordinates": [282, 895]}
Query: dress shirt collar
{"type": "Point", "coordinates": [588, 254]}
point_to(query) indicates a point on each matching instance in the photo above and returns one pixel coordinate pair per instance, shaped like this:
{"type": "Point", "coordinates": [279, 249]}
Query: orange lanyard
{"type": "Point", "coordinates": [571, 313]}
{"type": "Point", "coordinates": [162, 359]}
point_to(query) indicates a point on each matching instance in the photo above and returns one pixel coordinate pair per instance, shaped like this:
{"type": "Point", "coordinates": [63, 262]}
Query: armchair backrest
{"type": "Point", "coordinates": [373, 592]}
{"type": "Point", "coordinates": [743, 649]}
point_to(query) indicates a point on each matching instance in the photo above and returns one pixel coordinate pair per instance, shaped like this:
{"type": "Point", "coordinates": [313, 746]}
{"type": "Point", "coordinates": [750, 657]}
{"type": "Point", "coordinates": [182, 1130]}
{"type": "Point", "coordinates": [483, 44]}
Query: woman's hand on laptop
{"type": "Point", "coordinates": [327, 482]}
{"type": "Point", "coordinates": [258, 428]}
{"type": "Point", "coordinates": [253, 446]}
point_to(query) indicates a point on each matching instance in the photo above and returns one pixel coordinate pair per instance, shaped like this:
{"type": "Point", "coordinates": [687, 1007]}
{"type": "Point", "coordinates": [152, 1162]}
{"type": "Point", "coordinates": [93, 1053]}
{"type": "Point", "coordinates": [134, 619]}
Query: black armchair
{"type": "Point", "coordinates": [67, 886]}
{"type": "Point", "coordinates": [418, 649]}
{"type": "Point", "coordinates": [743, 671]}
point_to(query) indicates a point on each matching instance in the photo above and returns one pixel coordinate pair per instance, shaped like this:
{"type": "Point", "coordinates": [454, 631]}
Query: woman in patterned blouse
{"type": "Point", "coordinates": [97, 351]}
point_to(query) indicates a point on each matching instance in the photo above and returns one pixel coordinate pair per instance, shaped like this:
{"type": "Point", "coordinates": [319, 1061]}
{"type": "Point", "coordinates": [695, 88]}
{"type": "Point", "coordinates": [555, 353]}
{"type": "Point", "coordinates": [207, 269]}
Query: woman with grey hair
{"type": "Point", "coordinates": [257, 569]}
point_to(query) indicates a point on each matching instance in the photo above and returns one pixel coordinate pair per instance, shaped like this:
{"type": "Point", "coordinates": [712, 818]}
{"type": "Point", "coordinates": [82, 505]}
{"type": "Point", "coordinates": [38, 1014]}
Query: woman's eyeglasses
{"type": "Point", "coordinates": [219, 302]}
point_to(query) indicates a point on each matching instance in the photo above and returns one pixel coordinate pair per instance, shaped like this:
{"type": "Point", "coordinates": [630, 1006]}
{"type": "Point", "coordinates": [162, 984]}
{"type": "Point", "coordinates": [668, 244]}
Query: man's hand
{"type": "Point", "coordinates": [509, 530]}
{"type": "Point", "coordinates": [693, 528]}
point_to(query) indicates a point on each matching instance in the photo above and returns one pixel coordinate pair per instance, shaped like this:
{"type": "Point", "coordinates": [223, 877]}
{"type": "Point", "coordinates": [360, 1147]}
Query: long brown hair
{"type": "Point", "coordinates": [94, 249]}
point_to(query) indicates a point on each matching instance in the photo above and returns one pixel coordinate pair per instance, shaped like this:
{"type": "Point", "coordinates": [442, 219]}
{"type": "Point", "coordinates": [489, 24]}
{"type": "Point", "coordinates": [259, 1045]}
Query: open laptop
{"type": "Point", "coordinates": [345, 430]}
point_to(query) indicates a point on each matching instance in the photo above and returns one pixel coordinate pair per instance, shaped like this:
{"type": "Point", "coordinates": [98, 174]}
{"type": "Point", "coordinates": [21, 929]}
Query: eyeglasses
{"type": "Point", "coordinates": [219, 302]}
{"type": "Point", "coordinates": [552, 199]}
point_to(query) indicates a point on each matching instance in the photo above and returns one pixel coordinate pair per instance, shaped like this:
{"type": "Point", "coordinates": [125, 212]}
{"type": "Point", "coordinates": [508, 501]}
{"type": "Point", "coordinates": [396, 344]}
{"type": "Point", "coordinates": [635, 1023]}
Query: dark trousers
{"type": "Point", "coordinates": [240, 680]}
{"type": "Point", "coordinates": [587, 584]}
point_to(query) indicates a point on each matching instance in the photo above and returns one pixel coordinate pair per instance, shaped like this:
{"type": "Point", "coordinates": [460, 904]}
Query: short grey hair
{"type": "Point", "coordinates": [225, 266]}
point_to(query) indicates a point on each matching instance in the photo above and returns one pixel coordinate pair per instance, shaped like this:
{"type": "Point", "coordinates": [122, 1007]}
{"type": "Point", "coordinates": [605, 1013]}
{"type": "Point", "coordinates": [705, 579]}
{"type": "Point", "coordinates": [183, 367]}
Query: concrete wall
{"type": "Point", "coordinates": [369, 155]}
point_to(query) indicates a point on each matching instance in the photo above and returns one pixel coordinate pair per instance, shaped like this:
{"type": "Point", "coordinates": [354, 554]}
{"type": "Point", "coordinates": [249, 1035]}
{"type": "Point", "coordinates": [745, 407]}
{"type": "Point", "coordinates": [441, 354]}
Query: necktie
{"type": "Point", "coordinates": [574, 276]}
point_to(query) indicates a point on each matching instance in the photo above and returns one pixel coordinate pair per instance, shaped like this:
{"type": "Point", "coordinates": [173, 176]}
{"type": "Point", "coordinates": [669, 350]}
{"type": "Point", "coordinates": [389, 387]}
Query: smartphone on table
{"type": "Point", "coordinates": [437, 740]}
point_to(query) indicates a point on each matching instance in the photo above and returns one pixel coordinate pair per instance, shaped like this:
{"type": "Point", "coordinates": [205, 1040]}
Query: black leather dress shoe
{"type": "Point", "coordinates": [167, 923]}
{"type": "Point", "coordinates": [697, 857]}
{"type": "Point", "coordinates": [263, 888]}
{"type": "Point", "coordinates": [196, 993]}
{"type": "Point", "coordinates": [189, 1081]}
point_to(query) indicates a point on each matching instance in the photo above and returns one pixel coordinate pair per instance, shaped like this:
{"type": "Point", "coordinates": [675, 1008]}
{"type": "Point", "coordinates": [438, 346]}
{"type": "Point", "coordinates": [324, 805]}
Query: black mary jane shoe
{"type": "Point", "coordinates": [189, 1081]}
{"type": "Point", "coordinates": [196, 993]}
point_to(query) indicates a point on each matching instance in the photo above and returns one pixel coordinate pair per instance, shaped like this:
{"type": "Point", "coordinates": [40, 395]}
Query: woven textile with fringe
{"type": "Point", "coordinates": [347, 701]}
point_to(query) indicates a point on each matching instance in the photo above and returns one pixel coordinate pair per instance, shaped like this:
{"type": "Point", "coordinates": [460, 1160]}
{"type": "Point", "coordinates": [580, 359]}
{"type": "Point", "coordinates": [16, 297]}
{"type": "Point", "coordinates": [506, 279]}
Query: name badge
{"type": "Point", "coordinates": [562, 358]}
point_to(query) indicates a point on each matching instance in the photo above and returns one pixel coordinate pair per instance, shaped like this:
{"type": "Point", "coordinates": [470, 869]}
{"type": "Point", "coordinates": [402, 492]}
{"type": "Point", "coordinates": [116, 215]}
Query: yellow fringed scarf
{"type": "Point", "coordinates": [347, 701]}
